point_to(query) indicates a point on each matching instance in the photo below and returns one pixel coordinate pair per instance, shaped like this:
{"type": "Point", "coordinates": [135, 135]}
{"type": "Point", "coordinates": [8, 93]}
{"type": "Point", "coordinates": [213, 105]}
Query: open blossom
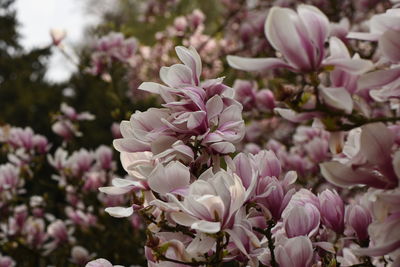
{"type": "Point", "coordinates": [262, 178]}
{"type": "Point", "coordinates": [27, 140]}
{"type": "Point", "coordinates": [211, 203]}
{"type": "Point", "coordinates": [112, 48]}
{"type": "Point", "coordinates": [9, 178]}
{"type": "Point", "coordinates": [205, 111]}
{"type": "Point", "coordinates": [370, 164]}
{"type": "Point", "coordinates": [385, 29]}
{"type": "Point", "coordinates": [290, 32]}
{"type": "Point", "coordinates": [66, 122]}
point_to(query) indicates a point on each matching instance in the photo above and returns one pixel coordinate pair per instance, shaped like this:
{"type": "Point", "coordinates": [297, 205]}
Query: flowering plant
{"type": "Point", "coordinates": [296, 164]}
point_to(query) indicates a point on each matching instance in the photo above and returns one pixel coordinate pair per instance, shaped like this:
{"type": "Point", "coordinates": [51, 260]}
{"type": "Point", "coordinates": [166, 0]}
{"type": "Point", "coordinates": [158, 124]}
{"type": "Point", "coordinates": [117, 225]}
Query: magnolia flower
{"type": "Point", "coordinates": [203, 110]}
{"type": "Point", "coordinates": [372, 165]}
{"type": "Point", "coordinates": [57, 35]}
{"type": "Point", "coordinates": [9, 178]}
{"type": "Point", "coordinates": [101, 263]}
{"type": "Point", "coordinates": [246, 93]}
{"type": "Point", "coordinates": [302, 220]}
{"type": "Point", "coordinates": [300, 38]}
{"type": "Point", "coordinates": [332, 210]}
{"type": "Point", "coordinates": [80, 255]}
{"type": "Point", "coordinates": [296, 252]}
{"type": "Point", "coordinates": [210, 204]}
{"type": "Point", "coordinates": [384, 236]}
{"type": "Point", "coordinates": [172, 178]}
{"type": "Point", "coordinates": [245, 240]}
{"type": "Point", "coordinates": [179, 247]}
{"type": "Point", "coordinates": [6, 261]}
{"type": "Point", "coordinates": [358, 218]}
{"type": "Point", "coordinates": [261, 176]}
{"type": "Point", "coordinates": [384, 28]}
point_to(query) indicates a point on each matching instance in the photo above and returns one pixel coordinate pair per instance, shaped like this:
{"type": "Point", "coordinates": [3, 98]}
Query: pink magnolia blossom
{"type": "Point", "coordinates": [302, 221]}
{"type": "Point", "coordinates": [296, 252]}
{"type": "Point", "coordinates": [101, 263]}
{"type": "Point", "coordinates": [204, 110]}
{"type": "Point", "coordinates": [358, 218]}
{"type": "Point", "coordinates": [211, 203]}
{"type": "Point", "coordinates": [385, 29]}
{"type": "Point", "coordinates": [80, 255]}
{"type": "Point", "coordinates": [6, 261]}
{"type": "Point", "coordinates": [288, 32]}
{"type": "Point", "coordinates": [371, 165]}
{"type": "Point", "coordinates": [332, 210]}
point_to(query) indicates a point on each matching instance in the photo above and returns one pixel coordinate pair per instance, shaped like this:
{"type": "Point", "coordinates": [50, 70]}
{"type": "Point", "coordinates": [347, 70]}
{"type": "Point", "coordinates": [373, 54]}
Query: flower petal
{"type": "Point", "coordinates": [119, 212]}
{"type": "Point", "coordinates": [338, 98]}
{"type": "Point", "coordinates": [256, 64]}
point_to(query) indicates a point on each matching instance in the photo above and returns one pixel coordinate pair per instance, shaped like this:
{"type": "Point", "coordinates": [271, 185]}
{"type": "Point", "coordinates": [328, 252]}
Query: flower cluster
{"type": "Point", "coordinates": [110, 49]}
{"type": "Point", "coordinates": [275, 141]}
{"type": "Point", "coordinates": [320, 194]}
{"type": "Point", "coordinates": [49, 203]}
{"type": "Point", "coordinates": [66, 123]}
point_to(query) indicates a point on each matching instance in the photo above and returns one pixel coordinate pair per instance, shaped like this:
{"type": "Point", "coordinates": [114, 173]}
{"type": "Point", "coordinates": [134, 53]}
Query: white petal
{"type": "Point", "coordinates": [338, 98]}
{"type": "Point", "coordinates": [378, 78]}
{"type": "Point", "coordinates": [223, 147]}
{"type": "Point", "coordinates": [183, 218]}
{"type": "Point", "coordinates": [130, 145]}
{"type": "Point", "coordinates": [115, 191]}
{"type": "Point", "coordinates": [119, 212]}
{"type": "Point", "coordinates": [353, 66]}
{"type": "Point", "coordinates": [207, 227]}
{"type": "Point", "coordinates": [256, 64]}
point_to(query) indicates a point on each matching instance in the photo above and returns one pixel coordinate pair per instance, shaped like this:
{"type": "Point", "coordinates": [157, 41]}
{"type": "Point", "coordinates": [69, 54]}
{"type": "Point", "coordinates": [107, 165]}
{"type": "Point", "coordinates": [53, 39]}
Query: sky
{"type": "Point", "coordinates": [38, 17]}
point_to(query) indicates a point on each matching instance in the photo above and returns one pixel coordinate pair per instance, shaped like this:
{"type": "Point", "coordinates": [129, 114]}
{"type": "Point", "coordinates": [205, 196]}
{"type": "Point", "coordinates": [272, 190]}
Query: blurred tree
{"type": "Point", "coordinates": [26, 98]}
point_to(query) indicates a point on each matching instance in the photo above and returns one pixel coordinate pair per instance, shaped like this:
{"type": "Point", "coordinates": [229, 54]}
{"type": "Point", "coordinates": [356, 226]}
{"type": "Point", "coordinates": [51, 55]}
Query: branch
{"type": "Point", "coordinates": [268, 234]}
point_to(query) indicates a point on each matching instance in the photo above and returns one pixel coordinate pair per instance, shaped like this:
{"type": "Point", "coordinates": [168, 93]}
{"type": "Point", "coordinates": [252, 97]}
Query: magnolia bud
{"type": "Point", "coordinates": [332, 210]}
{"type": "Point", "coordinates": [265, 100]}
{"type": "Point", "coordinates": [359, 218]}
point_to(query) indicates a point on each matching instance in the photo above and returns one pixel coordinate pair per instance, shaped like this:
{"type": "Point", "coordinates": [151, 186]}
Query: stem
{"type": "Point", "coordinates": [268, 234]}
{"type": "Point", "coordinates": [219, 251]}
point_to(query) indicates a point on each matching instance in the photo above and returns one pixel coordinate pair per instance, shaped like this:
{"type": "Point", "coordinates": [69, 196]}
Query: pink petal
{"type": "Point", "coordinates": [344, 176]}
{"type": "Point", "coordinates": [223, 147]}
{"type": "Point", "coordinates": [317, 25]}
{"type": "Point", "coordinates": [192, 59]}
{"type": "Point", "coordinates": [338, 98]}
{"type": "Point", "coordinates": [376, 143]}
{"type": "Point", "coordinates": [378, 78]}
{"type": "Point", "coordinates": [130, 145]}
{"type": "Point", "coordinates": [281, 31]}
{"type": "Point", "coordinates": [292, 116]}
{"type": "Point", "coordinates": [389, 44]}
